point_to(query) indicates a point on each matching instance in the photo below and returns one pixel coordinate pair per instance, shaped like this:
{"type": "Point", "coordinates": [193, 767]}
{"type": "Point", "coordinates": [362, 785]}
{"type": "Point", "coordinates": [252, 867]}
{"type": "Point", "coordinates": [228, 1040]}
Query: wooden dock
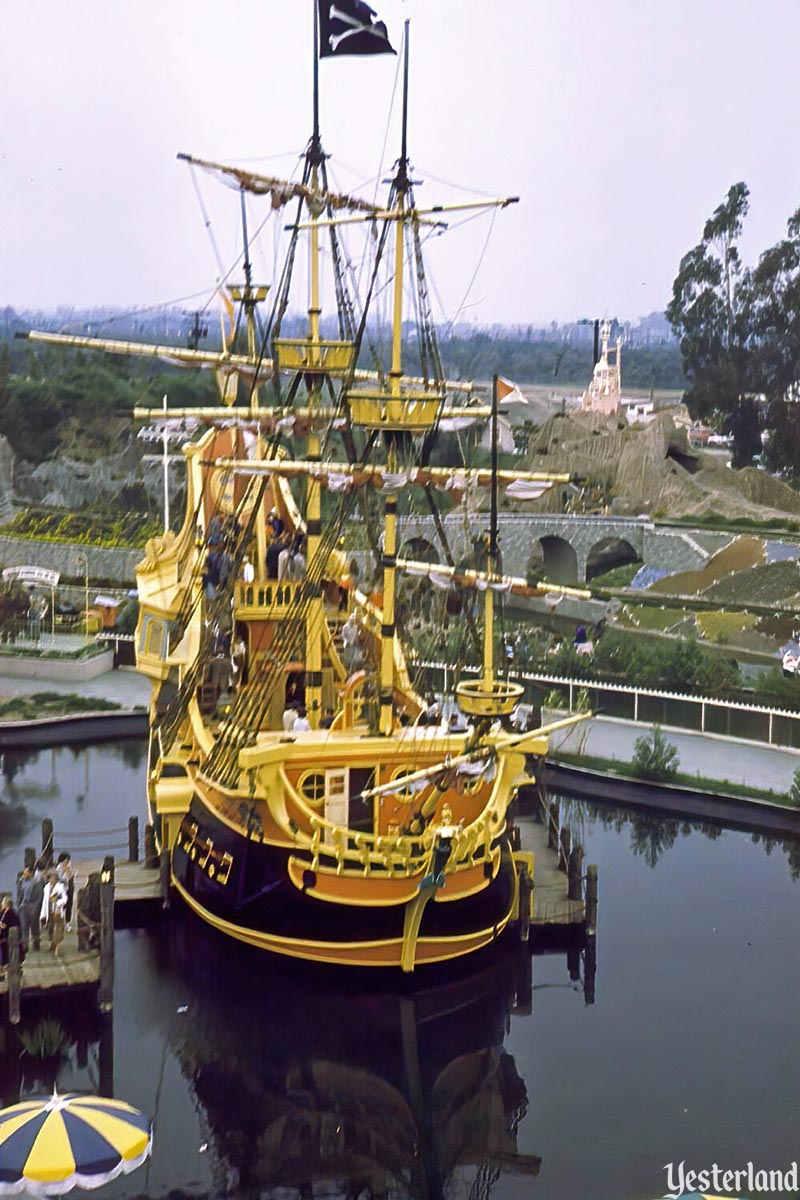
{"type": "Point", "coordinates": [45, 972]}
{"type": "Point", "coordinates": [564, 890]}
{"type": "Point", "coordinates": [134, 882]}
{"type": "Point", "coordinates": [551, 902]}
{"type": "Point", "coordinates": [107, 894]}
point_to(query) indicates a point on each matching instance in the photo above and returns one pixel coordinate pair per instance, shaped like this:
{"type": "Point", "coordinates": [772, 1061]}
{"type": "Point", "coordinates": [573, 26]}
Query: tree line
{"type": "Point", "coordinates": [59, 401]}
{"type": "Point", "coordinates": [739, 332]}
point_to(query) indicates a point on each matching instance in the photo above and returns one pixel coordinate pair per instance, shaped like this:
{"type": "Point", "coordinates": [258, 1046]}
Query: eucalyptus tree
{"type": "Point", "coordinates": [775, 299]}
{"type": "Point", "coordinates": [711, 312]}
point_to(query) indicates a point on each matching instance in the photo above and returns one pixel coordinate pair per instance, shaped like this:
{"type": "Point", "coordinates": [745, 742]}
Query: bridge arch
{"type": "Point", "coordinates": [419, 549]}
{"type": "Point", "coordinates": [610, 552]}
{"type": "Point", "coordinates": [553, 559]}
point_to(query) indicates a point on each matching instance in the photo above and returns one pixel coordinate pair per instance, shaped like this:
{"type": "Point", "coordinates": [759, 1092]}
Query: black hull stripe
{"type": "Point", "coordinates": [260, 896]}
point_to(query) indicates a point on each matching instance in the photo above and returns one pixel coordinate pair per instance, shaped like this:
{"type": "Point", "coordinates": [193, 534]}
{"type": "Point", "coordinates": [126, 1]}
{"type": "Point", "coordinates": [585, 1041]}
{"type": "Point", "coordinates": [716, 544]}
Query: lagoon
{"type": "Point", "coordinates": [269, 1079]}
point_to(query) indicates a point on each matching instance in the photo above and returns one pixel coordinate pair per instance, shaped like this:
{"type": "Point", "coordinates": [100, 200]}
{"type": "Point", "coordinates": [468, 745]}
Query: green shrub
{"type": "Point", "coordinates": [794, 790]}
{"type": "Point", "coordinates": [654, 757]}
{"type": "Point", "coordinates": [52, 704]}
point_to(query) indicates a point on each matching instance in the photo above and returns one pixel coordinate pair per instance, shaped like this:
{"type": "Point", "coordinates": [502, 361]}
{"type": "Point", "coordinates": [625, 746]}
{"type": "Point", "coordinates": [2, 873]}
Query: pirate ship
{"type": "Point", "coordinates": [310, 803]}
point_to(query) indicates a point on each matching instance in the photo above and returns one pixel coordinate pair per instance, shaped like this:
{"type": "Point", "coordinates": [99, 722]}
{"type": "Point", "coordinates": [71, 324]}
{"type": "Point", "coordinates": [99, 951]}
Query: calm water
{"type": "Point", "coordinates": [266, 1080]}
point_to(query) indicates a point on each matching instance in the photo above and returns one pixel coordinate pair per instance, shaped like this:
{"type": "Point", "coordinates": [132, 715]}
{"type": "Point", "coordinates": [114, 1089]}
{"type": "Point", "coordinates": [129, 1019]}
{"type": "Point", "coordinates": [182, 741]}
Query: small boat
{"type": "Point", "coordinates": [312, 801]}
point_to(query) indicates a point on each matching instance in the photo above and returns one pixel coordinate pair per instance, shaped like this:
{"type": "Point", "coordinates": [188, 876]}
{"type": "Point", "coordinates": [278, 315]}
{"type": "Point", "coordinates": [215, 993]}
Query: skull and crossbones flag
{"type": "Point", "coordinates": [351, 27]}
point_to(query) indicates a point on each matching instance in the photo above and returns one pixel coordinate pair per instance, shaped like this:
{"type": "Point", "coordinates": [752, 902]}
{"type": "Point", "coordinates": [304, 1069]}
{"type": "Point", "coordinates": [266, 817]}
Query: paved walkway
{"type": "Point", "coordinates": [711, 756]}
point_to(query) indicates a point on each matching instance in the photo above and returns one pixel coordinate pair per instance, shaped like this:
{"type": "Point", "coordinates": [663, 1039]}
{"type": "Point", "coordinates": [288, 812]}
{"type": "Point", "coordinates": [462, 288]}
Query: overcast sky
{"type": "Point", "coordinates": [620, 126]}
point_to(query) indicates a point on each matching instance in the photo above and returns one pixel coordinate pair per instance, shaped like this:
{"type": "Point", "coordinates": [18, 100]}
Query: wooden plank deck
{"type": "Point", "coordinates": [133, 882]}
{"type": "Point", "coordinates": [45, 972]}
{"type": "Point", "coordinates": [550, 903]}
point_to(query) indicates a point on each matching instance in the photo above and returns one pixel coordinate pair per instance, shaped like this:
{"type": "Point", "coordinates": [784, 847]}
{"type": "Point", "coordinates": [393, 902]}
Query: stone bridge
{"type": "Point", "coordinates": [563, 549]}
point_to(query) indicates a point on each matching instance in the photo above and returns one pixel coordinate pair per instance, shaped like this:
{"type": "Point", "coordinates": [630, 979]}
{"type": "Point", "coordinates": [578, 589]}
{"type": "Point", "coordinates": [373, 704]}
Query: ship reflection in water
{"type": "Point", "coordinates": [343, 1092]}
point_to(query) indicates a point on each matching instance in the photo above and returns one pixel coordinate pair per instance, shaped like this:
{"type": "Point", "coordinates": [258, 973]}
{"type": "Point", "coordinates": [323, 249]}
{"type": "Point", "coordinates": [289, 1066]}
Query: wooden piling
{"type": "Point", "coordinates": [133, 839]}
{"type": "Point", "coordinates": [11, 1057]}
{"type": "Point", "coordinates": [14, 975]}
{"type": "Point", "coordinates": [591, 900]}
{"type": "Point", "coordinates": [589, 970]}
{"type": "Point", "coordinates": [565, 839]}
{"type": "Point", "coordinates": [30, 857]}
{"type": "Point", "coordinates": [523, 982]}
{"type": "Point", "coordinates": [552, 825]}
{"type": "Point", "coordinates": [150, 850]}
{"type": "Point", "coordinates": [574, 963]}
{"type": "Point", "coordinates": [89, 913]}
{"type": "Point", "coordinates": [165, 877]}
{"type": "Point", "coordinates": [105, 1057]}
{"type": "Point", "coordinates": [525, 904]}
{"type": "Point", "coordinates": [106, 997]}
{"type": "Point", "coordinates": [47, 842]}
{"type": "Point", "coordinates": [575, 874]}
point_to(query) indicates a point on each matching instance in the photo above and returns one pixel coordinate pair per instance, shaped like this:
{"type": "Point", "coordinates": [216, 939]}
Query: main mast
{"type": "Point", "coordinates": [400, 187]}
{"type": "Point", "coordinates": [314, 613]}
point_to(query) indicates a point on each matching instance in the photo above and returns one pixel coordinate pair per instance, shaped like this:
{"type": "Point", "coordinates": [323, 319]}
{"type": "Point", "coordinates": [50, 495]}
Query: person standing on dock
{"type": "Point", "coordinates": [54, 908]}
{"type": "Point", "coordinates": [30, 891]}
{"type": "Point", "coordinates": [67, 876]}
{"type": "Point", "coordinates": [9, 919]}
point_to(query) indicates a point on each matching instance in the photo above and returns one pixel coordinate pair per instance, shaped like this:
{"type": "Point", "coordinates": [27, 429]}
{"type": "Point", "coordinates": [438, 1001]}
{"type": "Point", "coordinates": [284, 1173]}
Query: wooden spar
{"type": "Point", "coordinates": [261, 185]}
{"type": "Point", "coordinates": [421, 216]}
{"type": "Point", "coordinates": [471, 578]}
{"type": "Point", "coordinates": [508, 742]}
{"type": "Point", "coordinates": [246, 416]}
{"type": "Point", "coordinates": [420, 475]}
{"type": "Point", "coordinates": [216, 358]}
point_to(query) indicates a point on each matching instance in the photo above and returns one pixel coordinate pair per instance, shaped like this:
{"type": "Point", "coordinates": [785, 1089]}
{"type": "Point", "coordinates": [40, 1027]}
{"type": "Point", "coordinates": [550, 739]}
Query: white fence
{"type": "Point", "coordinates": [703, 714]}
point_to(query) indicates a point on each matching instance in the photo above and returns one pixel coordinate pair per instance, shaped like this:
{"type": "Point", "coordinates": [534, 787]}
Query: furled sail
{"type": "Point", "coordinates": [282, 191]}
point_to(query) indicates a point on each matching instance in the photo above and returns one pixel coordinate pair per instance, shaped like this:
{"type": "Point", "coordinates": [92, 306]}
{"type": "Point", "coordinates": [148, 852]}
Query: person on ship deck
{"type": "Point", "coordinates": [277, 542]}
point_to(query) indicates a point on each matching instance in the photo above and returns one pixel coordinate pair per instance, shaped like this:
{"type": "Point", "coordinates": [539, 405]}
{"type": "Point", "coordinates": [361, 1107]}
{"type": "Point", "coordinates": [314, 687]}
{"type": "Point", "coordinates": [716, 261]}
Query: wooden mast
{"type": "Point", "coordinates": [488, 619]}
{"type": "Point", "coordinates": [389, 555]}
{"type": "Point", "coordinates": [314, 611]}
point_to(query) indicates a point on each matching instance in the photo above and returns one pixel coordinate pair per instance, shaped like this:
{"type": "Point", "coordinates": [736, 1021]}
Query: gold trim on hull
{"type": "Point", "coordinates": [353, 954]}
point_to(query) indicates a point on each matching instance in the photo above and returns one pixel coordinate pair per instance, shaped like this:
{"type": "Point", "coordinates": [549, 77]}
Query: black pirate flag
{"type": "Point", "coordinates": [351, 27]}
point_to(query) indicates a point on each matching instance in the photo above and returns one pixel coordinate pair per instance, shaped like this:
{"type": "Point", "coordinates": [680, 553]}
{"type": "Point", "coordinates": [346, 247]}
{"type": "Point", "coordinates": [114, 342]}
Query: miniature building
{"type": "Point", "coordinates": [602, 394]}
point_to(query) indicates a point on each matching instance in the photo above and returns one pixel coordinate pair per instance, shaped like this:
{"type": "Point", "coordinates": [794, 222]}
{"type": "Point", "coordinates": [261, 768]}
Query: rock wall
{"type": "Point", "coordinates": [66, 483]}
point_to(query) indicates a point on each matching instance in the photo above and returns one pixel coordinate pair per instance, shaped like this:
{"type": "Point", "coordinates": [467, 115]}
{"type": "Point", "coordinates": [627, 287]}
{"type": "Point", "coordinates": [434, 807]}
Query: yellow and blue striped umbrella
{"type": "Point", "coordinates": [49, 1145]}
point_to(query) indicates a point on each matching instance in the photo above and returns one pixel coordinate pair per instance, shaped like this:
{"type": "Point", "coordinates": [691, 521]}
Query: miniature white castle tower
{"type": "Point", "coordinates": [602, 394]}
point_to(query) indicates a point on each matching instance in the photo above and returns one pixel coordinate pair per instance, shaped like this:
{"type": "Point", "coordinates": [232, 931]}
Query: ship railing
{"type": "Point", "coordinates": [272, 598]}
{"type": "Point", "coordinates": [347, 849]}
{"type": "Point", "coordinates": [336, 846]}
